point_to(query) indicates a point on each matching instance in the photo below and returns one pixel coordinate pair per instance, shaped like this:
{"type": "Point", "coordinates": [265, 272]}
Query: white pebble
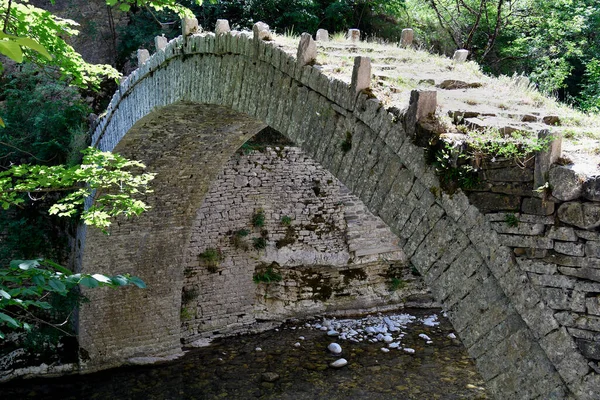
{"type": "Point", "coordinates": [388, 339]}
{"type": "Point", "coordinates": [297, 344]}
{"type": "Point", "coordinates": [394, 345]}
{"type": "Point", "coordinates": [339, 363]}
{"type": "Point", "coordinates": [258, 349]}
{"type": "Point", "coordinates": [409, 350]}
{"type": "Point", "coordinates": [385, 349]}
{"type": "Point", "coordinates": [451, 336]}
{"type": "Point", "coordinates": [424, 336]}
{"type": "Point", "coordinates": [301, 338]}
{"type": "Point", "coordinates": [334, 348]}
{"type": "Point", "coordinates": [332, 333]}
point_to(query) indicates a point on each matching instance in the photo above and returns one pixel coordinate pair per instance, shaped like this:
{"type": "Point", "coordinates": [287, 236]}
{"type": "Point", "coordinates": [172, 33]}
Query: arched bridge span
{"type": "Point", "coordinates": [191, 105]}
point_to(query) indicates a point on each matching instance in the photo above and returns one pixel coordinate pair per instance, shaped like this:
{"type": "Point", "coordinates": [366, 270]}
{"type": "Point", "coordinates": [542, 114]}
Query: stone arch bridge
{"type": "Point", "coordinates": [199, 98]}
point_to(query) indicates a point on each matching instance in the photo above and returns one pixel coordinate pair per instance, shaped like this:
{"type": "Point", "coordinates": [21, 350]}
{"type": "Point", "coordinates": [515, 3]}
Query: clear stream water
{"type": "Point", "coordinates": [292, 363]}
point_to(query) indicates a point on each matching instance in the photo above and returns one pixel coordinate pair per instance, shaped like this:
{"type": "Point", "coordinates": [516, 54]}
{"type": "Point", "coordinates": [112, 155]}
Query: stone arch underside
{"type": "Point", "coordinates": [185, 112]}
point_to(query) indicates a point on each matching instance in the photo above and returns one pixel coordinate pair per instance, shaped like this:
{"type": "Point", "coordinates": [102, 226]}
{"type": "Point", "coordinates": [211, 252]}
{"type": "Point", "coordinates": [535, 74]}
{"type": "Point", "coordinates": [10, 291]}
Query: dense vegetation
{"type": "Point", "coordinates": [555, 42]}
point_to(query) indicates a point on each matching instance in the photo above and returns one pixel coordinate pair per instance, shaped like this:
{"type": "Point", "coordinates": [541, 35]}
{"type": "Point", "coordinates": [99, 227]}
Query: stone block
{"type": "Point", "coordinates": [592, 249]}
{"type": "Point", "coordinates": [261, 31]}
{"type": "Point", "coordinates": [592, 305]}
{"type": "Point", "coordinates": [222, 27]}
{"type": "Point", "coordinates": [511, 174]}
{"type": "Point", "coordinates": [563, 299]}
{"type": "Point", "coordinates": [160, 42]}
{"type": "Point", "coordinates": [565, 234]}
{"type": "Point", "coordinates": [532, 205]}
{"type": "Point", "coordinates": [569, 248]}
{"type": "Point", "coordinates": [361, 74]}
{"type": "Point", "coordinates": [544, 159]}
{"type": "Point", "coordinates": [422, 104]}
{"type": "Point", "coordinates": [460, 55]}
{"type": "Point", "coordinates": [354, 35]}
{"type": "Point", "coordinates": [406, 37]}
{"type": "Point", "coordinates": [558, 281]}
{"type": "Point", "coordinates": [322, 35]}
{"type": "Point", "coordinates": [581, 215]}
{"type": "Point", "coordinates": [189, 26]}
{"type": "Point", "coordinates": [514, 188]}
{"type": "Point", "coordinates": [588, 235]}
{"type": "Point", "coordinates": [492, 202]}
{"type": "Point", "coordinates": [142, 56]}
{"type": "Point", "coordinates": [591, 188]}
{"type": "Point", "coordinates": [307, 50]}
{"type": "Point", "coordinates": [536, 266]}
{"type": "Point", "coordinates": [559, 346]}
{"type": "Point", "coordinates": [566, 183]}
{"type": "Point", "coordinates": [591, 274]}
{"type": "Point", "coordinates": [523, 228]}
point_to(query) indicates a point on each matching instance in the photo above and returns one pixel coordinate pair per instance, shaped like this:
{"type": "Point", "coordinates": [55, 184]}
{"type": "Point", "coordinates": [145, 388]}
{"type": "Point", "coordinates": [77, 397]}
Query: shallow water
{"type": "Point", "coordinates": [233, 368]}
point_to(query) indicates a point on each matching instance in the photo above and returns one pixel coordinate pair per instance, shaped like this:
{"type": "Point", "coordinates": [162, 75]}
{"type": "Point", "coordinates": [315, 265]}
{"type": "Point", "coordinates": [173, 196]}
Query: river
{"type": "Point", "coordinates": [293, 362]}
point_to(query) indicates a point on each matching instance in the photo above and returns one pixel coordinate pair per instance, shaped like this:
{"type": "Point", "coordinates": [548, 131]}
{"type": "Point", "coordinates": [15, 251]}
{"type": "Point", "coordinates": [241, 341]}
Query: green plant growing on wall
{"type": "Point", "coordinates": [187, 296]}
{"type": "Point", "coordinates": [238, 239]}
{"type": "Point", "coordinates": [396, 284]}
{"type": "Point", "coordinates": [286, 220]}
{"type": "Point", "coordinates": [519, 146]}
{"type": "Point", "coordinates": [259, 243]}
{"type": "Point", "coordinates": [211, 258]}
{"type": "Point", "coordinates": [454, 168]}
{"type": "Point", "coordinates": [267, 276]}
{"type": "Point", "coordinates": [185, 314]}
{"type": "Point", "coordinates": [258, 218]}
{"type": "Point", "coordinates": [511, 220]}
{"type": "Point", "coordinates": [347, 142]}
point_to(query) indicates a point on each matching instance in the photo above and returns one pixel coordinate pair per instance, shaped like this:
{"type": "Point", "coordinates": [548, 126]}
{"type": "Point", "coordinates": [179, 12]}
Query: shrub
{"type": "Point", "coordinates": [267, 276]}
{"type": "Point", "coordinates": [259, 243]}
{"type": "Point", "coordinates": [211, 257]}
{"type": "Point", "coordinates": [258, 218]}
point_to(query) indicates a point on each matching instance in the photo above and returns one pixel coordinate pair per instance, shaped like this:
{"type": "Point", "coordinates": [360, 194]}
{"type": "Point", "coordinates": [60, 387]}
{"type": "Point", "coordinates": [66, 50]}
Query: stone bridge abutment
{"type": "Point", "coordinates": [192, 104]}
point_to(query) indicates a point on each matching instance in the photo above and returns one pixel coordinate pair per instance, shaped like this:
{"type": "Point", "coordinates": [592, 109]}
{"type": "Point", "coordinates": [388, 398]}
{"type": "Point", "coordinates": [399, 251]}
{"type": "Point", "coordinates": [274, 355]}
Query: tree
{"type": "Point", "coordinates": [114, 183]}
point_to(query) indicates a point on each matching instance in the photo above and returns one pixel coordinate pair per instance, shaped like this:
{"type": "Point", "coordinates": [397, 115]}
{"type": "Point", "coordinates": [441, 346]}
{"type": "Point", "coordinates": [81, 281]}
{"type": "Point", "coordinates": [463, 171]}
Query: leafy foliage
{"type": "Point", "coordinates": [36, 29]}
{"type": "Point", "coordinates": [104, 175]}
{"type": "Point", "coordinates": [45, 119]}
{"type": "Point", "coordinates": [25, 286]}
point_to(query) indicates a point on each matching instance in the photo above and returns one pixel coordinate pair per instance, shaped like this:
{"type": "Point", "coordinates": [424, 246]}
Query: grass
{"type": "Point", "coordinates": [258, 218]}
{"type": "Point", "coordinates": [267, 276]}
{"type": "Point", "coordinates": [503, 94]}
{"type": "Point", "coordinates": [511, 220]}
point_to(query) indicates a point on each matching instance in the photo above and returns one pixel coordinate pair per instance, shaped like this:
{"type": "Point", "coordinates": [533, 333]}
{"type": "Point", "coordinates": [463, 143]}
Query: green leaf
{"type": "Point", "coordinates": [124, 7]}
{"type": "Point", "coordinates": [24, 264]}
{"type": "Point", "coordinates": [137, 282]}
{"type": "Point", "coordinates": [11, 50]}
{"type": "Point", "coordinates": [9, 320]}
{"type": "Point", "coordinates": [32, 44]}
{"type": "Point", "coordinates": [39, 280]}
{"type": "Point", "coordinates": [119, 280]}
{"type": "Point", "coordinates": [89, 282]}
{"type": "Point", "coordinates": [57, 285]}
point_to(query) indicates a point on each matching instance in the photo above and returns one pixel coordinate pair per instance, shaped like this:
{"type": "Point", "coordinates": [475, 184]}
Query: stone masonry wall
{"type": "Point", "coordinates": [555, 239]}
{"type": "Point", "coordinates": [331, 252]}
